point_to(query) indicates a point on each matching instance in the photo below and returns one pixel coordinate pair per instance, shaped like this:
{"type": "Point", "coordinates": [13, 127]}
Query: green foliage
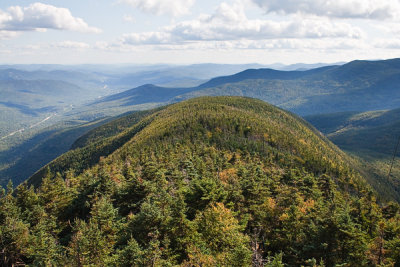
{"type": "Point", "coordinates": [14, 232]}
{"type": "Point", "coordinates": [219, 235]}
{"type": "Point", "coordinates": [275, 261]}
{"type": "Point", "coordinates": [223, 181]}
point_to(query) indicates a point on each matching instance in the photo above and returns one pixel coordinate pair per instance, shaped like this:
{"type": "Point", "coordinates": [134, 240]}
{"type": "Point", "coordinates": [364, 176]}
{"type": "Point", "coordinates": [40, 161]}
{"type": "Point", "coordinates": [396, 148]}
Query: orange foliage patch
{"type": "Point", "coordinates": [228, 174]}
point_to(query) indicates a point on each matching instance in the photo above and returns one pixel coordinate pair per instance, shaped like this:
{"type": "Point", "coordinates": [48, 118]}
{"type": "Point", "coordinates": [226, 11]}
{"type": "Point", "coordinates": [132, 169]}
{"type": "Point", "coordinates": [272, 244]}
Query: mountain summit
{"type": "Point", "coordinates": [213, 181]}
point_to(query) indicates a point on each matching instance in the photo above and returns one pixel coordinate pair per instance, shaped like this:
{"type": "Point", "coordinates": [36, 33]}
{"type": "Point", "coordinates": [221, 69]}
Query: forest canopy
{"type": "Point", "coordinates": [212, 181]}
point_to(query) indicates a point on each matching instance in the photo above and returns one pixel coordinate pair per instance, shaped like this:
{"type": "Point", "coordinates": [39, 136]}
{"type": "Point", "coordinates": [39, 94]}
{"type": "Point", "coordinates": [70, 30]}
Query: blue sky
{"type": "Point", "coordinates": [197, 31]}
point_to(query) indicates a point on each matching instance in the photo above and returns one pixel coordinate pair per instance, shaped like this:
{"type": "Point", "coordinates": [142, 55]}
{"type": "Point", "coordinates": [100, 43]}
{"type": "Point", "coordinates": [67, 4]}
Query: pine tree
{"type": "Point", "coordinates": [14, 233]}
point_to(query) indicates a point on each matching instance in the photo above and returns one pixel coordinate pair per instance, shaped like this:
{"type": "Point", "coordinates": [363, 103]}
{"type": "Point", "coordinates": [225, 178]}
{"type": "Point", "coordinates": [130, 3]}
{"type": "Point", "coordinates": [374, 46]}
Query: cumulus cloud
{"type": "Point", "coordinates": [162, 7]}
{"type": "Point", "coordinates": [38, 16]}
{"type": "Point", "coordinates": [146, 38]}
{"type": "Point", "coordinates": [229, 22]}
{"type": "Point", "coordinates": [364, 9]}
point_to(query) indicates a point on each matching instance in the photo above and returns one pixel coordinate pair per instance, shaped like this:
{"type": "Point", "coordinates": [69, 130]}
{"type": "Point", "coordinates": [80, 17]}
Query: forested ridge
{"type": "Point", "coordinates": [359, 85]}
{"type": "Point", "coordinates": [212, 181]}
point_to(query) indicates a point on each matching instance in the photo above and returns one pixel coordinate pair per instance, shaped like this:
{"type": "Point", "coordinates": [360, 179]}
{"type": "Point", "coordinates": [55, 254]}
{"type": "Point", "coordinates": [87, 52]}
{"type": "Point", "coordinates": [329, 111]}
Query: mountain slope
{"type": "Point", "coordinates": [358, 85]}
{"type": "Point", "coordinates": [372, 136]}
{"type": "Point", "coordinates": [375, 130]}
{"type": "Point", "coordinates": [23, 160]}
{"type": "Point", "coordinates": [300, 144]}
{"type": "Point", "coordinates": [225, 181]}
{"type": "Point", "coordinates": [168, 75]}
{"type": "Point", "coordinates": [146, 94]}
{"type": "Point", "coordinates": [29, 97]}
{"type": "Point", "coordinates": [264, 74]}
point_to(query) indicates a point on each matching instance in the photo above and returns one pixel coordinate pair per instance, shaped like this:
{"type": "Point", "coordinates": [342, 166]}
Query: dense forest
{"type": "Point", "coordinates": [212, 181]}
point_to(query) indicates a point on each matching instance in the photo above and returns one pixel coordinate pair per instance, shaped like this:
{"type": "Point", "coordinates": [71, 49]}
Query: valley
{"type": "Point", "coordinates": [371, 137]}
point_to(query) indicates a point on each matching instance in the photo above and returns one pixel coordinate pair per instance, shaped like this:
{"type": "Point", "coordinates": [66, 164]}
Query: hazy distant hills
{"type": "Point", "coordinates": [375, 130]}
{"type": "Point", "coordinates": [358, 85]}
{"type": "Point", "coordinates": [76, 77]}
{"type": "Point", "coordinates": [147, 93]}
{"type": "Point", "coordinates": [175, 76]}
{"type": "Point", "coordinates": [32, 99]}
{"type": "Point", "coordinates": [263, 74]}
{"type": "Point", "coordinates": [193, 75]}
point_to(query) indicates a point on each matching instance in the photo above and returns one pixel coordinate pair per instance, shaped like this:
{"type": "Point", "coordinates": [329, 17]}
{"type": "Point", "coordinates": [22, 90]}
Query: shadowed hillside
{"type": "Point", "coordinates": [372, 136]}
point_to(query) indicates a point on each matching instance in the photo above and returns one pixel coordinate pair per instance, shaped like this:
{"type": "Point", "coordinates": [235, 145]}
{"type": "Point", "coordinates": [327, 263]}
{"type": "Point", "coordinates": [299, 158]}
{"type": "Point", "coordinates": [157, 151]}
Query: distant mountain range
{"type": "Point", "coordinates": [358, 85]}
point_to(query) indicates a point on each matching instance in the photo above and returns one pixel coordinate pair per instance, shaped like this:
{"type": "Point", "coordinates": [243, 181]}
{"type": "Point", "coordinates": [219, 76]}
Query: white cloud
{"type": "Point", "coordinates": [365, 9]}
{"type": "Point", "coordinates": [43, 47]}
{"type": "Point", "coordinates": [162, 7]}
{"type": "Point", "coordinates": [229, 22]}
{"type": "Point", "coordinates": [390, 28]}
{"type": "Point", "coordinates": [308, 45]}
{"type": "Point", "coordinates": [71, 45]}
{"type": "Point", "coordinates": [40, 16]}
{"type": "Point", "coordinates": [146, 38]}
{"type": "Point", "coordinates": [102, 45]}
